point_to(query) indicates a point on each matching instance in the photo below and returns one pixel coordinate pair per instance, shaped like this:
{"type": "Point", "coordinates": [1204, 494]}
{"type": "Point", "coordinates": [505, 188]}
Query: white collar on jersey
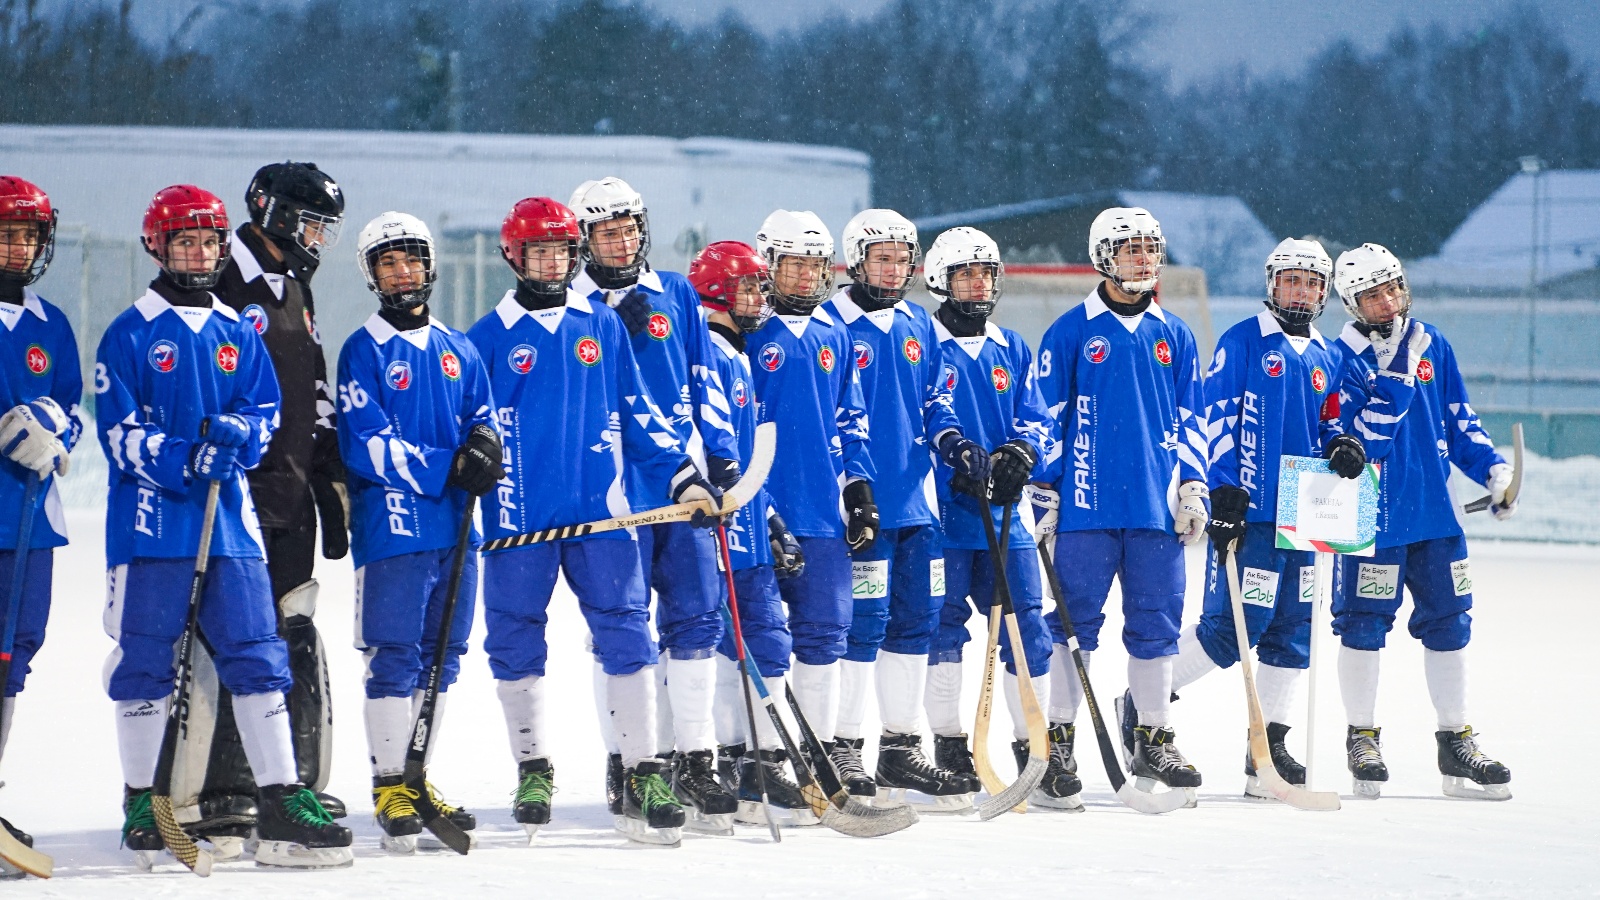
{"type": "Point", "coordinates": [972, 346]}
{"type": "Point", "coordinates": [153, 304]}
{"type": "Point", "coordinates": [648, 279]}
{"type": "Point", "coordinates": [1271, 326]}
{"type": "Point", "coordinates": [382, 331]}
{"type": "Point", "coordinates": [723, 345]}
{"type": "Point", "coordinates": [1354, 339]}
{"type": "Point", "coordinates": [797, 324]}
{"type": "Point", "coordinates": [849, 310]}
{"type": "Point", "coordinates": [1094, 306]}
{"type": "Point", "coordinates": [11, 315]}
{"type": "Point", "coordinates": [509, 310]}
{"type": "Point", "coordinates": [250, 269]}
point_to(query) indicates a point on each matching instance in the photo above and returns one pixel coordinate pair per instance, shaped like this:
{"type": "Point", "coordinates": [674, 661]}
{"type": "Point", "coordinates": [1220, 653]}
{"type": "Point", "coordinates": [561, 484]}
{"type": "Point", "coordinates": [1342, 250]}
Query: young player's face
{"type": "Point", "coordinates": [1380, 304]}
{"type": "Point", "coordinates": [194, 252]}
{"type": "Point", "coordinates": [750, 298]}
{"type": "Point", "coordinates": [615, 242]}
{"type": "Point", "coordinates": [1299, 289]}
{"type": "Point", "coordinates": [312, 234]}
{"type": "Point", "coordinates": [800, 276]}
{"type": "Point", "coordinates": [1137, 259]}
{"type": "Point", "coordinates": [399, 271]}
{"type": "Point", "coordinates": [19, 241]}
{"type": "Point", "coordinates": [887, 265]}
{"type": "Point", "coordinates": [972, 283]}
{"type": "Point", "coordinates": [546, 260]}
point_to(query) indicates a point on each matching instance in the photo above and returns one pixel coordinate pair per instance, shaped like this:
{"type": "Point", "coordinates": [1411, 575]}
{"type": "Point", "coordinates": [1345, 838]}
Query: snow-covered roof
{"type": "Point", "coordinates": [1495, 246]}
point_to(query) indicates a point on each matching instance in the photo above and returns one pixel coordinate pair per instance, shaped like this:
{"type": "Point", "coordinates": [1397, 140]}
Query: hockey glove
{"type": "Point", "coordinates": [1012, 464]}
{"type": "Point", "coordinates": [1190, 520]}
{"type": "Point", "coordinates": [213, 461]}
{"type": "Point", "coordinates": [1413, 344]}
{"type": "Point", "coordinates": [688, 486]}
{"type": "Point", "coordinates": [724, 473]}
{"type": "Point", "coordinates": [30, 436]}
{"type": "Point", "coordinates": [788, 561]}
{"type": "Point", "coordinates": [1345, 456]}
{"type": "Point", "coordinates": [860, 515]}
{"type": "Point", "coordinates": [1229, 505]}
{"type": "Point", "coordinates": [1500, 475]}
{"type": "Point", "coordinates": [226, 429]}
{"type": "Point", "coordinates": [964, 456]}
{"type": "Point", "coordinates": [972, 487]}
{"type": "Point", "coordinates": [634, 308]}
{"type": "Point", "coordinates": [333, 512]}
{"type": "Point", "coordinates": [476, 466]}
{"type": "Point", "coordinates": [1046, 509]}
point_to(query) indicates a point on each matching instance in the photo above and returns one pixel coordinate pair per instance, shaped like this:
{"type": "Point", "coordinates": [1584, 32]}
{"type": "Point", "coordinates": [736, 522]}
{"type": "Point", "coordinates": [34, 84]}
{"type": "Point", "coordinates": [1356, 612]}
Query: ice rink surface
{"type": "Point", "coordinates": [1533, 700]}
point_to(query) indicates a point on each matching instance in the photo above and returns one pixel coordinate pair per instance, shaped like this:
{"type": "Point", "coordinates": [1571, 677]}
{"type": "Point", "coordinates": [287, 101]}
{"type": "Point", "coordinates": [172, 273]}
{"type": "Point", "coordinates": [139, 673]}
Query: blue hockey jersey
{"type": "Point", "coordinates": [673, 354]}
{"type": "Point", "coordinates": [980, 373]}
{"type": "Point", "coordinates": [1125, 393]}
{"type": "Point", "coordinates": [748, 545]}
{"type": "Point", "coordinates": [1268, 395]}
{"type": "Point", "coordinates": [1414, 433]}
{"type": "Point", "coordinates": [801, 364]}
{"type": "Point", "coordinates": [41, 360]}
{"type": "Point", "coordinates": [897, 358]}
{"type": "Point", "coordinates": [406, 401]}
{"type": "Point", "coordinates": [576, 417]}
{"type": "Point", "coordinates": [159, 372]}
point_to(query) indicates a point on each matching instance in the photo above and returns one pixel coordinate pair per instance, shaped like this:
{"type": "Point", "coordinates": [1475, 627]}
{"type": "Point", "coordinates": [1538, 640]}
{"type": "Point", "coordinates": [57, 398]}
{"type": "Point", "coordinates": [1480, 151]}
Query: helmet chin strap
{"type": "Point", "coordinates": [615, 278]}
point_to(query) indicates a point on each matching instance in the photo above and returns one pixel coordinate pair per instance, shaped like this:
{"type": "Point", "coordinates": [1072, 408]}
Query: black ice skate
{"type": "Point", "coordinates": [1364, 756]}
{"type": "Point", "coordinates": [709, 805]}
{"type": "Point", "coordinates": [139, 832]}
{"type": "Point", "coordinates": [651, 813]}
{"type": "Point", "coordinates": [729, 762]}
{"type": "Point", "coordinates": [1467, 772]}
{"type": "Point", "coordinates": [1061, 787]}
{"type": "Point", "coordinates": [226, 820]}
{"type": "Point", "coordinates": [8, 871]}
{"type": "Point", "coordinates": [397, 815]}
{"type": "Point", "coordinates": [332, 804]}
{"type": "Point", "coordinates": [846, 756]}
{"type": "Point", "coordinates": [458, 817]}
{"type": "Point", "coordinates": [615, 776]}
{"type": "Point", "coordinates": [295, 831]}
{"type": "Point", "coordinates": [1288, 768]}
{"type": "Point", "coordinates": [1157, 759]}
{"type": "Point", "coordinates": [902, 767]}
{"type": "Point", "coordinates": [530, 802]}
{"type": "Point", "coordinates": [789, 806]}
{"type": "Point", "coordinates": [952, 754]}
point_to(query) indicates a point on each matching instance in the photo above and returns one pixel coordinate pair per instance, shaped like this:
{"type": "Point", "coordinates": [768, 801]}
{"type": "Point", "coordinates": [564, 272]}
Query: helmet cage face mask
{"type": "Point", "coordinates": [414, 247]}
{"type": "Point", "coordinates": [748, 320]}
{"type": "Point", "coordinates": [1105, 262]}
{"type": "Point", "coordinates": [858, 272]}
{"type": "Point", "coordinates": [298, 205]}
{"type": "Point", "coordinates": [1292, 312]}
{"type": "Point", "coordinates": [977, 309]}
{"type": "Point", "coordinates": [802, 302]}
{"type": "Point", "coordinates": [517, 258]}
{"type": "Point", "coordinates": [34, 241]}
{"type": "Point", "coordinates": [1384, 328]}
{"type": "Point", "coordinates": [614, 277]}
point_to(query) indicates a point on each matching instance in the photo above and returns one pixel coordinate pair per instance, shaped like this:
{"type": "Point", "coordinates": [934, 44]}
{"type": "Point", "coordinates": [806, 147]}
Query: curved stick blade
{"type": "Point", "coordinates": [1032, 774]}
{"type": "Point", "coordinates": [1153, 804]}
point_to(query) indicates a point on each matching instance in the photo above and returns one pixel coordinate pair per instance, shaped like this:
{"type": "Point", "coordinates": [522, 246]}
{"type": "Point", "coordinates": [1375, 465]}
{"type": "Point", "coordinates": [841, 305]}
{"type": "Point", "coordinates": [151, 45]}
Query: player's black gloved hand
{"type": "Point", "coordinates": [476, 466]}
{"type": "Point", "coordinates": [1345, 456]}
{"type": "Point", "coordinates": [1012, 463]}
{"type": "Point", "coordinates": [1228, 507]}
{"type": "Point", "coordinates": [688, 485]}
{"type": "Point", "coordinates": [965, 457]}
{"type": "Point", "coordinates": [972, 487]}
{"type": "Point", "coordinates": [333, 505]}
{"type": "Point", "coordinates": [788, 561]}
{"type": "Point", "coordinates": [635, 309]}
{"type": "Point", "coordinates": [861, 515]}
{"type": "Point", "coordinates": [724, 473]}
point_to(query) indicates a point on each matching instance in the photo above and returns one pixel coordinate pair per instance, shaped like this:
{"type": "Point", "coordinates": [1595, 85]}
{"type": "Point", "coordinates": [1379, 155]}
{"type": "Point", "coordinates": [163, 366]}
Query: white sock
{"type": "Point", "coordinates": [855, 678]}
{"type": "Point", "coordinates": [263, 721]}
{"type": "Point", "coordinates": [663, 708]}
{"type": "Point", "coordinates": [389, 724]}
{"type": "Point", "coordinates": [817, 689]}
{"type": "Point", "coordinates": [1066, 687]}
{"type": "Point", "coordinates": [631, 707]}
{"type": "Point", "coordinates": [1278, 688]}
{"type": "Point", "coordinates": [902, 681]}
{"type": "Point", "coordinates": [602, 707]}
{"type": "Point", "coordinates": [1446, 671]}
{"type": "Point", "coordinates": [692, 685]}
{"type": "Point", "coordinates": [1041, 692]}
{"type": "Point", "coordinates": [522, 701]}
{"type": "Point", "coordinates": [766, 732]}
{"type": "Point", "coordinates": [8, 706]}
{"type": "Point", "coordinates": [438, 721]}
{"type": "Point", "coordinates": [1358, 684]}
{"type": "Point", "coordinates": [1192, 661]}
{"type": "Point", "coordinates": [943, 700]}
{"type": "Point", "coordinates": [1150, 682]}
{"type": "Point", "coordinates": [140, 724]}
{"type": "Point", "coordinates": [728, 713]}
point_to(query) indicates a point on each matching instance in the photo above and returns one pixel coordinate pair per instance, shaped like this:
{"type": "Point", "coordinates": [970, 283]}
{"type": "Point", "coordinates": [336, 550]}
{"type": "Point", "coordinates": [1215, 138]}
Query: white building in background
{"type": "Point", "coordinates": [1538, 227]}
{"type": "Point", "coordinates": [697, 190]}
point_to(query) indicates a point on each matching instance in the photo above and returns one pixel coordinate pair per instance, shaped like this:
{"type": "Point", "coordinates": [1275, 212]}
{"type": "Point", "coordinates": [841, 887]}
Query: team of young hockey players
{"type": "Point", "coordinates": [600, 388]}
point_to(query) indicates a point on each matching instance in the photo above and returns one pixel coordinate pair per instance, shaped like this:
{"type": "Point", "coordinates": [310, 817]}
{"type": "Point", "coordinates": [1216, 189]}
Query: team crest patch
{"type": "Point", "coordinates": [1163, 352]}
{"type": "Point", "coordinates": [770, 357]}
{"type": "Point", "coordinates": [912, 349]}
{"type": "Point", "coordinates": [863, 354]}
{"type": "Point", "coordinates": [163, 356]}
{"type": "Point", "coordinates": [450, 365]}
{"type": "Point", "coordinates": [1425, 370]}
{"type": "Point", "coordinates": [256, 316]}
{"type": "Point", "coordinates": [398, 375]}
{"type": "Point", "coordinates": [1002, 379]}
{"type": "Point", "coordinates": [1272, 362]}
{"type": "Point", "coordinates": [951, 377]}
{"type": "Point", "coordinates": [587, 349]}
{"type": "Point", "coordinates": [660, 327]}
{"type": "Point", "coordinates": [521, 358]}
{"type": "Point", "coordinates": [1097, 350]}
{"type": "Point", "coordinates": [1319, 379]}
{"type": "Point", "coordinates": [741, 393]}
{"type": "Point", "coordinates": [37, 359]}
{"type": "Point", "coordinates": [825, 358]}
{"type": "Point", "coordinates": [227, 358]}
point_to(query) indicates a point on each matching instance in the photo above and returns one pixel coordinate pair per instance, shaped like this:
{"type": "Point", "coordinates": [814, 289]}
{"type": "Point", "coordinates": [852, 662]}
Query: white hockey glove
{"type": "Point", "coordinates": [1046, 509]}
{"type": "Point", "coordinates": [1190, 520]}
{"type": "Point", "coordinates": [30, 436]}
{"type": "Point", "coordinates": [1499, 480]}
{"type": "Point", "coordinates": [1413, 344]}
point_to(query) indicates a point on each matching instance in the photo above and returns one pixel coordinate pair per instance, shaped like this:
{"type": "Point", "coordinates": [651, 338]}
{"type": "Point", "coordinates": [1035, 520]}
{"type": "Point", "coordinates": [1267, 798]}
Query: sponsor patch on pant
{"type": "Point", "coordinates": [936, 577]}
{"type": "Point", "coordinates": [1374, 582]}
{"type": "Point", "coordinates": [1461, 577]}
{"type": "Point", "coordinates": [1308, 584]}
{"type": "Point", "coordinates": [869, 579]}
{"type": "Point", "coordinates": [1259, 587]}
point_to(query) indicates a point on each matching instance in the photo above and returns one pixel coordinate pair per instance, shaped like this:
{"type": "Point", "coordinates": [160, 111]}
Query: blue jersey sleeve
{"type": "Point", "coordinates": [851, 419]}
{"type": "Point", "coordinates": [1191, 436]}
{"type": "Point", "coordinates": [1057, 384]}
{"type": "Point", "coordinates": [259, 398]}
{"type": "Point", "coordinates": [1223, 391]}
{"type": "Point", "coordinates": [705, 385]}
{"type": "Point", "coordinates": [1031, 419]}
{"type": "Point", "coordinates": [477, 401]}
{"type": "Point", "coordinates": [1372, 406]}
{"type": "Point", "coordinates": [649, 442]}
{"type": "Point", "coordinates": [67, 390]}
{"type": "Point", "coordinates": [133, 443]}
{"type": "Point", "coordinates": [1471, 449]}
{"type": "Point", "coordinates": [938, 409]}
{"type": "Point", "coordinates": [368, 440]}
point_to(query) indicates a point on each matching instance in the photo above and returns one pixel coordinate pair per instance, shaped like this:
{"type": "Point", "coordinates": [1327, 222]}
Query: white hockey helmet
{"type": "Point", "coordinates": [601, 201]}
{"type": "Point", "coordinates": [878, 226]}
{"type": "Point", "coordinates": [956, 249]}
{"type": "Point", "coordinates": [1116, 225]}
{"type": "Point", "coordinates": [397, 231]}
{"type": "Point", "coordinates": [1365, 267]}
{"type": "Point", "coordinates": [802, 234]}
{"type": "Point", "coordinates": [1306, 256]}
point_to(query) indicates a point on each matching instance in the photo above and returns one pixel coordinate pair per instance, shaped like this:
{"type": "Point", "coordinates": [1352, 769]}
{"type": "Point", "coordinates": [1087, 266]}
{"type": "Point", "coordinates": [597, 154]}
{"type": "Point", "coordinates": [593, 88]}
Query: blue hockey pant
{"type": "Point", "coordinates": [32, 612]}
{"type": "Point", "coordinates": [1366, 594]}
{"type": "Point", "coordinates": [399, 610]}
{"type": "Point", "coordinates": [819, 601]}
{"type": "Point", "coordinates": [1149, 566]}
{"type": "Point", "coordinates": [680, 562]}
{"type": "Point", "coordinates": [1276, 587]}
{"type": "Point", "coordinates": [761, 618]}
{"type": "Point", "coordinates": [898, 586]}
{"type": "Point", "coordinates": [969, 584]}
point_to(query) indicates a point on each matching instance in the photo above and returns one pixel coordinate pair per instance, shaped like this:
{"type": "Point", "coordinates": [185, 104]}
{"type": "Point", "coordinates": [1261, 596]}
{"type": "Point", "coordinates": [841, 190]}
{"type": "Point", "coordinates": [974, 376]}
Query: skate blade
{"type": "Point", "coordinates": [532, 831]}
{"type": "Point", "coordinates": [226, 849]}
{"type": "Point", "coordinates": [427, 841]}
{"type": "Point", "coordinates": [398, 845]}
{"type": "Point", "coordinates": [1147, 785]}
{"type": "Point", "coordinates": [1367, 790]}
{"type": "Point", "coordinates": [926, 804]}
{"type": "Point", "coordinates": [751, 813]}
{"type": "Point", "coordinates": [641, 833]}
{"type": "Point", "coordinates": [714, 824]}
{"type": "Point", "coordinates": [1467, 789]}
{"type": "Point", "coordinates": [289, 855]}
{"type": "Point", "coordinates": [1071, 804]}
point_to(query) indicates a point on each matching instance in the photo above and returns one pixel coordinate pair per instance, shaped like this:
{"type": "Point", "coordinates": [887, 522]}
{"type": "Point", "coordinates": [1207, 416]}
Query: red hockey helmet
{"type": "Point", "coordinates": [717, 273]}
{"type": "Point", "coordinates": [186, 208]}
{"type": "Point", "coordinates": [26, 251]}
{"type": "Point", "coordinates": [541, 220]}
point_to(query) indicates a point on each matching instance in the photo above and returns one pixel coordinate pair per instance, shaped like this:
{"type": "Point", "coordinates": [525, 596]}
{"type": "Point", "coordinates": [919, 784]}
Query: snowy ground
{"type": "Point", "coordinates": [1533, 701]}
